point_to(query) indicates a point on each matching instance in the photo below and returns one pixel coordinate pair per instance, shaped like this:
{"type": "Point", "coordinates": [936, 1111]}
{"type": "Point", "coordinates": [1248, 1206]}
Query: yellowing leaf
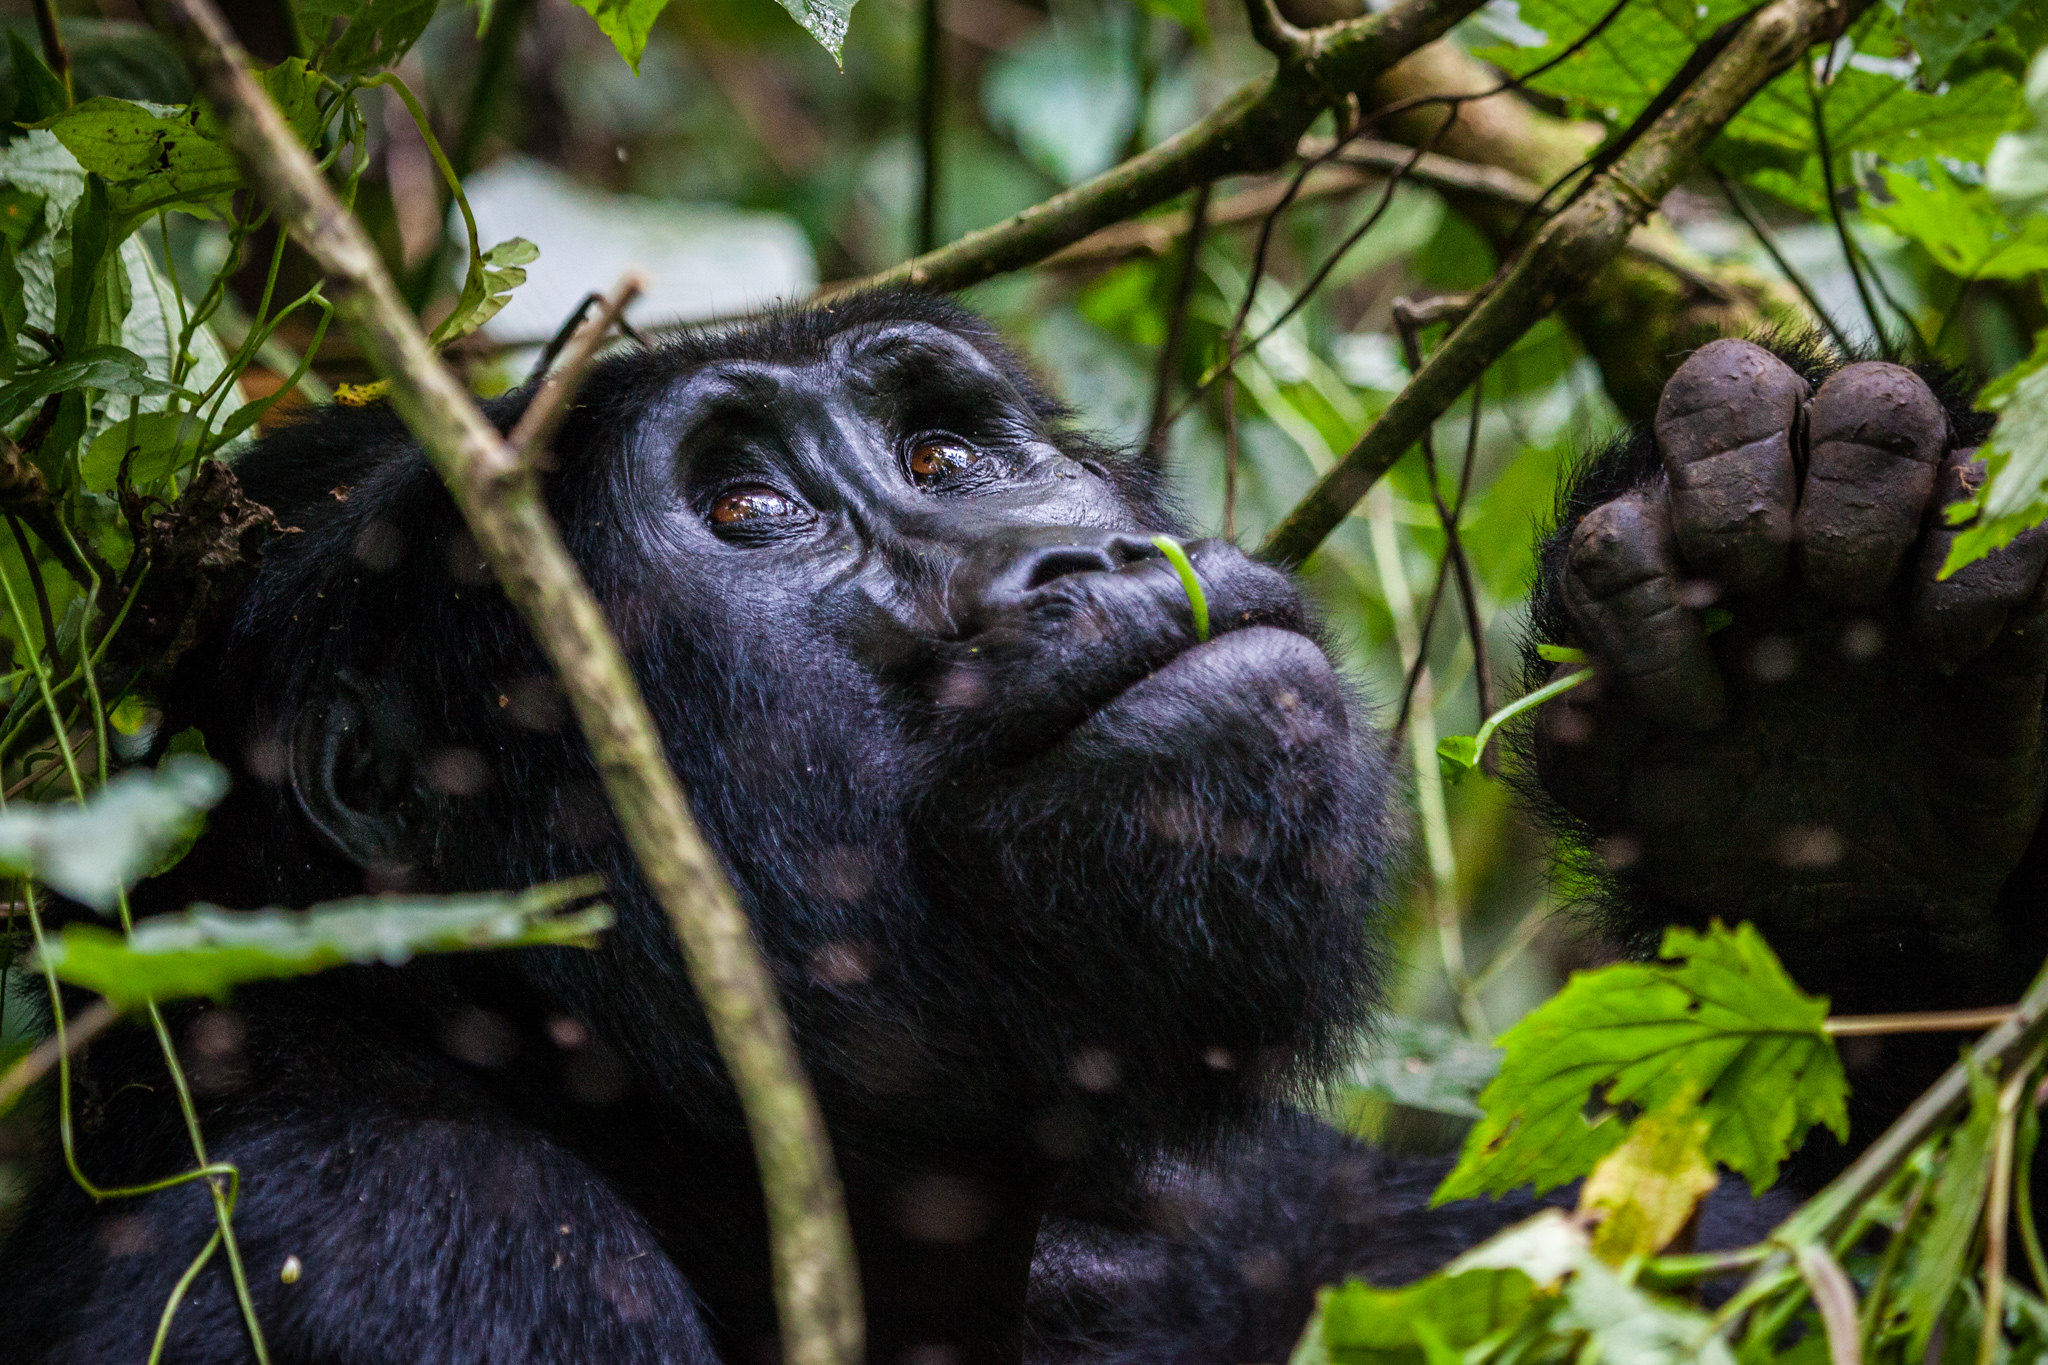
{"type": "Point", "coordinates": [1648, 1187]}
{"type": "Point", "coordinates": [1719, 1019]}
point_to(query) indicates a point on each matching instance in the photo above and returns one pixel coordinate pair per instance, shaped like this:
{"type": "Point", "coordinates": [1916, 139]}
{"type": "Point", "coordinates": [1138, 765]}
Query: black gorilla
{"type": "Point", "coordinates": [1065, 907]}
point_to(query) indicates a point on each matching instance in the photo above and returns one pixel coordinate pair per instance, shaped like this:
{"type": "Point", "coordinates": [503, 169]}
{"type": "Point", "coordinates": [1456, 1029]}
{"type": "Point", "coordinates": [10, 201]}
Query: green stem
{"type": "Point", "coordinates": [1198, 601]}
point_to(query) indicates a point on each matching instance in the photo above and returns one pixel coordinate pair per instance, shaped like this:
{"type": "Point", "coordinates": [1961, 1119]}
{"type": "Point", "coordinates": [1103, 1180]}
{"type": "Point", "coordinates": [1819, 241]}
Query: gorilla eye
{"type": "Point", "coordinates": [935, 459]}
{"type": "Point", "coordinates": [752, 505]}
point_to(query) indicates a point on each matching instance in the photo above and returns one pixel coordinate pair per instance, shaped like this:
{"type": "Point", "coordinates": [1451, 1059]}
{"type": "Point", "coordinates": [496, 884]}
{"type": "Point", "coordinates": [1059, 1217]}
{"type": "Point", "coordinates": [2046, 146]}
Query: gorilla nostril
{"type": "Point", "coordinates": [1060, 560]}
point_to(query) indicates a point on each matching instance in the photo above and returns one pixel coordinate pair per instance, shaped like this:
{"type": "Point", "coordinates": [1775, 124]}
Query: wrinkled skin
{"type": "Point", "coordinates": [1855, 761]}
{"type": "Point", "coordinates": [1065, 905]}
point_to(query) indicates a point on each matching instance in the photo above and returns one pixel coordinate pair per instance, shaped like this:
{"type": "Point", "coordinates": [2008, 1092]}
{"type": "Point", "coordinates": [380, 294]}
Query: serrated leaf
{"type": "Point", "coordinates": [353, 36]}
{"type": "Point", "coordinates": [487, 288]}
{"type": "Point", "coordinates": [1961, 226]}
{"type": "Point", "coordinates": [1645, 1190]}
{"type": "Point", "coordinates": [1940, 29]}
{"type": "Point", "coordinates": [207, 950]}
{"type": "Point", "coordinates": [1954, 1210]}
{"type": "Point", "coordinates": [126, 831]}
{"type": "Point", "coordinates": [1425, 1066]}
{"type": "Point", "coordinates": [1718, 1017]}
{"type": "Point", "coordinates": [2014, 495]}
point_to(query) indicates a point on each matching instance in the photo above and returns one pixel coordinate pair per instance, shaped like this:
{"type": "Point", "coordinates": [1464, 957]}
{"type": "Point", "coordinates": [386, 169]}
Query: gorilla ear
{"type": "Point", "coordinates": [352, 770]}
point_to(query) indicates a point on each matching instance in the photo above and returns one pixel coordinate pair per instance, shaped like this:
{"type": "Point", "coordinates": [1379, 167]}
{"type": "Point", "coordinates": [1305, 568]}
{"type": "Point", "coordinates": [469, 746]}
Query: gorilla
{"type": "Point", "coordinates": [1068, 906]}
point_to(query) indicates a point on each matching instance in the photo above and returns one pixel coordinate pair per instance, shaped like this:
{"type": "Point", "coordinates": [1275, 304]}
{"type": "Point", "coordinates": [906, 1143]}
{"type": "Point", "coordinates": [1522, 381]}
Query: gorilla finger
{"type": "Point", "coordinates": [1956, 619]}
{"type": "Point", "coordinates": [1725, 426]}
{"type": "Point", "coordinates": [1623, 591]}
{"type": "Point", "coordinates": [1876, 435]}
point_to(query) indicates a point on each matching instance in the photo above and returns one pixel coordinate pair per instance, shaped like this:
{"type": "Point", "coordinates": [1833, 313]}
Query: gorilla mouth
{"type": "Point", "coordinates": [1235, 681]}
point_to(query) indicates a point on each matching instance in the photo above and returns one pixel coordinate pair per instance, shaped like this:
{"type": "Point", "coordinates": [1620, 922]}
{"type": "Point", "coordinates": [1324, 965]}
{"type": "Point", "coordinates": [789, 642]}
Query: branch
{"type": "Point", "coordinates": [1661, 299]}
{"type": "Point", "coordinates": [1566, 255]}
{"type": "Point", "coordinates": [536, 426]}
{"type": "Point", "coordinates": [1254, 130]}
{"type": "Point", "coordinates": [815, 1286]}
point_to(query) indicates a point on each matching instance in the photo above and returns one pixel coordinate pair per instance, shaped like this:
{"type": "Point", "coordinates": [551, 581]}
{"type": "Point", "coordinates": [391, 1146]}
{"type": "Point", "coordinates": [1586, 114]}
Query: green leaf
{"type": "Point", "coordinates": [354, 36]}
{"type": "Point", "coordinates": [1561, 654]}
{"type": "Point", "coordinates": [628, 22]}
{"type": "Point", "coordinates": [161, 442]}
{"type": "Point", "coordinates": [1416, 1324]}
{"type": "Point", "coordinates": [1719, 1018]}
{"type": "Point", "coordinates": [125, 832]}
{"type": "Point", "coordinates": [207, 950]}
{"type": "Point", "coordinates": [2014, 496]}
{"type": "Point", "coordinates": [90, 292]}
{"type": "Point", "coordinates": [1940, 29]}
{"type": "Point", "coordinates": [37, 91]}
{"type": "Point", "coordinates": [21, 215]}
{"type": "Point", "coordinates": [2017, 168]}
{"type": "Point", "coordinates": [487, 288]}
{"type": "Point", "coordinates": [1457, 755]}
{"type": "Point", "coordinates": [108, 369]}
{"type": "Point", "coordinates": [1626, 1324]}
{"type": "Point", "coordinates": [156, 157]}
{"type": "Point", "coordinates": [1961, 226]}
{"type": "Point", "coordinates": [1425, 1066]}
{"type": "Point", "coordinates": [824, 20]}
{"type": "Point", "coordinates": [13, 306]}
{"type": "Point", "coordinates": [1954, 1210]}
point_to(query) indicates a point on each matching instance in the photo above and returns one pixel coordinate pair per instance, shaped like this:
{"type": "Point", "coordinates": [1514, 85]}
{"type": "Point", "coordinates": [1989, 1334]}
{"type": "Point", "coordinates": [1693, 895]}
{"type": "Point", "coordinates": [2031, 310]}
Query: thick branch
{"type": "Point", "coordinates": [815, 1285]}
{"type": "Point", "coordinates": [1254, 130]}
{"type": "Point", "coordinates": [1658, 301]}
{"type": "Point", "coordinates": [1565, 257]}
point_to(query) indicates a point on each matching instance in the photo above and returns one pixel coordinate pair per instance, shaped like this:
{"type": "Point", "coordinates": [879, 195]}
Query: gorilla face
{"type": "Point", "coordinates": [1016, 841]}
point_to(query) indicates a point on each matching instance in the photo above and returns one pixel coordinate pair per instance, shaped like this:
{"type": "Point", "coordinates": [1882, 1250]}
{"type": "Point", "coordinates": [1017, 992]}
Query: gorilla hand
{"type": "Point", "coordinates": [1855, 761]}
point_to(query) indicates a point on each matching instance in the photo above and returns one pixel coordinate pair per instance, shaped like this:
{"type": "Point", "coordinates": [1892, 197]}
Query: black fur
{"type": "Point", "coordinates": [1064, 910]}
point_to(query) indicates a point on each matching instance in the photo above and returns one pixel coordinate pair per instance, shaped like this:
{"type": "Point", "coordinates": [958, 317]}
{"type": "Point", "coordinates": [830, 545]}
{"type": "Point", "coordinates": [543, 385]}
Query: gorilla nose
{"type": "Point", "coordinates": [1004, 570]}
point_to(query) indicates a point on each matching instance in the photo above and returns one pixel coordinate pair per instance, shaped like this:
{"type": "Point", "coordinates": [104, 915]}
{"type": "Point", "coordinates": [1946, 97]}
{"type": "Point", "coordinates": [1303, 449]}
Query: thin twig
{"type": "Point", "coordinates": [816, 1290]}
{"type": "Point", "coordinates": [1564, 256]}
{"type": "Point", "coordinates": [1926, 1021]}
{"type": "Point", "coordinates": [1253, 130]}
{"type": "Point", "coordinates": [1827, 176]}
{"type": "Point", "coordinates": [88, 1025]}
{"type": "Point", "coordinates": [1177, 321]}
{"type": "Point", "coordinates": [1770, 246]}
{"type": "Point", "coordinates": [536, 426]}
{"type": "Point", "coordinates": [41, 591]}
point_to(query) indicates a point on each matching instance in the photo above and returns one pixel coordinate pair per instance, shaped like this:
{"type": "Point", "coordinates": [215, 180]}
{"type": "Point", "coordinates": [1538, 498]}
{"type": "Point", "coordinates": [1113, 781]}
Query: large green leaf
{"type": "Point", "coordinates": [107, 369]}
{"type": "Point", "coordinates": [1961, 226]}
{"type": "Point", "coordinates": [126, 831]}
{"type": "Point", "coordinates": [206, 951]}
{"type": "Point", "coordinates": [1940, 29]}
{"type": "Point", "coordinates": [1358, 1324]}
{"type": "Point", "coordinates": [157, 157]}
{"type": "Point", "coordinates": [353, 36]}
{"type": "Point", "coordinates": [1719, 1018]}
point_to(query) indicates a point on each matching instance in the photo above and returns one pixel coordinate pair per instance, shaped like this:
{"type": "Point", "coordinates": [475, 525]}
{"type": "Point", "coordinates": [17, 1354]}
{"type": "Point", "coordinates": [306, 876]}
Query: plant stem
{"type": "Point", "coordinates": [931, 97]}
{"type": "Point", "coordinates": [1254, 129]}
{"type": "Point", "coordinates": [1564, 256]}
{"type": "Point", "coordinates": [816, 1290]}
{"type": "Point", "coordinates": [54, 51]}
